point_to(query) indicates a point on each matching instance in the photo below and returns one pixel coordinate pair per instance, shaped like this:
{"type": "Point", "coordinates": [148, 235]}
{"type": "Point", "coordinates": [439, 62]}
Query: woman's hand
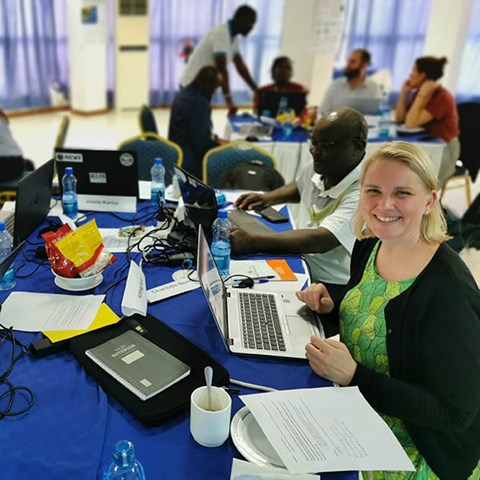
{"type": "Point", "coordinates": [331, 360]}
{"type": "Point", "coordinates": [317, 298]}
{"type": "Point", "coordinates": [427, 88]}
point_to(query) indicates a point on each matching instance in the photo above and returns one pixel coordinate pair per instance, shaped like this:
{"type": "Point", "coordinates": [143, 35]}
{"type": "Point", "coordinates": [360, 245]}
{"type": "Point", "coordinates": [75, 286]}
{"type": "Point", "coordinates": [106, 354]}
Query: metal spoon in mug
{"type": "Point", "coordinates": [208, 379]}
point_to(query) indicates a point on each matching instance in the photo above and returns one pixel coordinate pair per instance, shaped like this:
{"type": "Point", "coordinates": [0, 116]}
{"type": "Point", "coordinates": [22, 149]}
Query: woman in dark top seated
{"type": "Point", "coordinates": [282, 72]}
{"type": "Point", "coordinates": [410, 320]}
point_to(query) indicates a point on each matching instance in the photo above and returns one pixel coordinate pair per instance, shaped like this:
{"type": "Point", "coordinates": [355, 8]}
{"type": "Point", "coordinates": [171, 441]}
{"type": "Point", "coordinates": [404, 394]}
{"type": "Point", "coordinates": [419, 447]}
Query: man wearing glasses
{"type": "Point", "coordinates": [329, 190]}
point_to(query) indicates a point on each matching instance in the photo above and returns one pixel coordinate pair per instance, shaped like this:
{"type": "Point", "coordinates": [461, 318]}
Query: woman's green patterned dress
{"type": "Point", "coordinates": [363, 330]}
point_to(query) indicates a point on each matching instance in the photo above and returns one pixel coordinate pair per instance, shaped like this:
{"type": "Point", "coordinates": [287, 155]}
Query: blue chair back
{"type": "Point", "coordinates": [217, 160]}
{"type": "Point", "coordinates": [148, 146]}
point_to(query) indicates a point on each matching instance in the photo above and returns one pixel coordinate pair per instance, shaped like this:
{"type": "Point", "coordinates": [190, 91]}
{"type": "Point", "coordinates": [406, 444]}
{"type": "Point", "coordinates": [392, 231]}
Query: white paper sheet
{"type": "Point", "coordinates": [35, 312]}
{"type": "Point", "coordinates": [135, 295]}
{"type": "Point", "coordinates": [284, 285]}
{"type": "Point", "coordinates": [325, 430]}
{"type": "Point", "coordinates": [242, 470]}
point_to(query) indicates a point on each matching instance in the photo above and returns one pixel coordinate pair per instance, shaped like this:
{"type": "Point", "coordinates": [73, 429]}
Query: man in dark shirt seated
{"type": "Point", "coordinates": [191, 121]}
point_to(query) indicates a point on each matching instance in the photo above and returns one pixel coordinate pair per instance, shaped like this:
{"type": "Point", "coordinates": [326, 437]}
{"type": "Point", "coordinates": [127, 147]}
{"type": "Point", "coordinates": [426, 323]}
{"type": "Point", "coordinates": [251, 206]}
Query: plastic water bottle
{"type": "Point", "coordinates": [384, 114]}
{"type": "Point", "coordinates": [285, 116]}
{"type": "Point", "coordinates": [221, 242]}
{"type": "Point", "coordinates": [123, 465]}
{"type": "Point", "coordinates": [7, 282]}
{"type": "Point", "coordinates": [69, 197]}
{"type": "Point", "coordinates": [158, 183]}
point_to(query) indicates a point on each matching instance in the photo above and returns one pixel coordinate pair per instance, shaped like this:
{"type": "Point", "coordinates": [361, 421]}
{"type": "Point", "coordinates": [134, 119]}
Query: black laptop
{"type": "Point", "coordinates": [100, 174]}
{"type": "Point", "coordinates": [201, 206]}
{"type": "Point", "coordinates": [269, 102]}
{"type": "Point", "coordinates": [32, 202]}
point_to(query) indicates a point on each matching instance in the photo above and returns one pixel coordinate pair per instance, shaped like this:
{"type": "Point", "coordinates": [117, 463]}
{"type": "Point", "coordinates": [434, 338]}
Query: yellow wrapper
{"type": "Point", "coordinates": [80, 245]}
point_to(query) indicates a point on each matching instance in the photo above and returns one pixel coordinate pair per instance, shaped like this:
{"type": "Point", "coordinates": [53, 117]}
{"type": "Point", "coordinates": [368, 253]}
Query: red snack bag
{"type": "Point", "coordinates": [59, 264]}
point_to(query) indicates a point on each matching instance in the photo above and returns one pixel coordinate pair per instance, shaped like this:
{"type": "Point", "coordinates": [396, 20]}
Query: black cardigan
{"type": "Point", "coordinates": [433, 345]}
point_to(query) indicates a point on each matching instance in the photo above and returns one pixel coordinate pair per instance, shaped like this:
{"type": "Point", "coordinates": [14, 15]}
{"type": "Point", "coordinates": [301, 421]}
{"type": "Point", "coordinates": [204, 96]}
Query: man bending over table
{"type": "Point", "coordinates": [329, 190]}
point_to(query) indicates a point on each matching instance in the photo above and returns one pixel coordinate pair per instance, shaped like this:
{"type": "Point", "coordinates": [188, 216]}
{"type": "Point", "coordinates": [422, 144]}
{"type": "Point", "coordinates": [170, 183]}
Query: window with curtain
{"type": "Point", "coordinates": [33, 51]}
{"type": "Point", "coordinates": [173, 22]}
{"type": "Point", "coordinates": [34, 46]}
{"type": "Point", "coordinates": [392, 30]}
{"type": "Point", "coordinates": [468, 88]}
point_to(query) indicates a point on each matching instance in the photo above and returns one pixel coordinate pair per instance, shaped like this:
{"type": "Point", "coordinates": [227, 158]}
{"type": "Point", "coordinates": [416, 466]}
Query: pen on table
{"type": "Point", "coordinates": [256, 280]}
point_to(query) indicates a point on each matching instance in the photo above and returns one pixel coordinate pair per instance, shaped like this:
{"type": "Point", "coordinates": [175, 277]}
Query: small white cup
{"type": "Point", "coordinates": [210, 428]}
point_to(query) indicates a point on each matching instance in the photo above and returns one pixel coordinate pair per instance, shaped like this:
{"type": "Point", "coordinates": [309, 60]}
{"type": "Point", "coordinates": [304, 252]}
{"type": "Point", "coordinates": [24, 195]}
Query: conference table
{"type": "Point", "coordinates": [292, 153]}
{"type": "Point", "coordinates": [70, 430]}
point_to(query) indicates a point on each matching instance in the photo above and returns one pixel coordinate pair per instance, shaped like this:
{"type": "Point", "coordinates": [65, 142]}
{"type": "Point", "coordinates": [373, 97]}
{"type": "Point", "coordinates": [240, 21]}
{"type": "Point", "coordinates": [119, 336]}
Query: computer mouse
{"type": "Point", "coordinates": [251, 138]}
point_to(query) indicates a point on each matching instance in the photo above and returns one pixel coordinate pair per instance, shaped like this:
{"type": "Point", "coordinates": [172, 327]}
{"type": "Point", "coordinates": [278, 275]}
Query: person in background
{"type": "Point", "coordinates": [328, 189]}
{"type": "Point", "coordinates": [431, 106]}
{"type": "Point", "coordinates": [190, 123]}
{"type": "Point", "coordinates": [354, 84]}
{"type": "Point", "coordinates": [11, 155]}
{"type": "Point", "coordinates": [282, 72]}
{"type": "Point", "coordinates": [218, 48]}
{"type": "Point", "coordinates": [410, 320]}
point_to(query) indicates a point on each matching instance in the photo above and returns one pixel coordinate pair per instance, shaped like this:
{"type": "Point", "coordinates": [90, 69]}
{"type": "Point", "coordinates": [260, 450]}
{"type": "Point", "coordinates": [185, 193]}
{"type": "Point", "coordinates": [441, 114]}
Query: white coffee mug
{"type": "Point", "coordinates": [210, 424]}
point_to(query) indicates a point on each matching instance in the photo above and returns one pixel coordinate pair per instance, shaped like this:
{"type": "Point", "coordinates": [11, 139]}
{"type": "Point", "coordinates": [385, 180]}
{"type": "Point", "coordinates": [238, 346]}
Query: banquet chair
{"type": "Point", "coordinates": [468, 165]}
{"type": "Point", "coordinates": [146, 119]}
{"type": "Point", "coordinates": [219, 159]}
{"type": "Point", "coordinates": [148, 146]}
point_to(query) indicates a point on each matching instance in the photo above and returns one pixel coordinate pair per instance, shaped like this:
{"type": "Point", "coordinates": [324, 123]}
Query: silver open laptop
{"type": "Point", "coordinates": [252, 322]}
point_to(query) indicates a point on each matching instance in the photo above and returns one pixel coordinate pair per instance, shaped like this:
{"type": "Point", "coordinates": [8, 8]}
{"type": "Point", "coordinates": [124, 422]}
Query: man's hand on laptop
{"type": "Point", "coordinates": [241, 242]}
{"type": "Point", "coordinates": [250, 201]}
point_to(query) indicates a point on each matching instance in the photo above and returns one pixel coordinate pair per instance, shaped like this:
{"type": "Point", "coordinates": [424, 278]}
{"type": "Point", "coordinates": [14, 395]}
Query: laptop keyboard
{"type": "Point", "coordinates": [247, 222]}
{"type": "Point", "coordinates": [260, 322]}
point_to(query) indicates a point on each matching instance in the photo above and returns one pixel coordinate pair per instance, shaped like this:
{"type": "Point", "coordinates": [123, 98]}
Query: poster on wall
{"type": "Point", "coordinates": [93, 19]}
{"type": "Point", "coordinates": [327, 32]}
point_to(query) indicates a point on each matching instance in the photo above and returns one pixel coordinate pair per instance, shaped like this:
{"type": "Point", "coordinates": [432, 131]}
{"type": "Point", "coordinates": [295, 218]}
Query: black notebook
{"type": "Point", "coordinates": [138, 364]}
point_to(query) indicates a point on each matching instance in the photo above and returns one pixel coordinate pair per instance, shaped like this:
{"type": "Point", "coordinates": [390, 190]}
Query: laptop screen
{"type": "Point", "coordinates": [212, 284]}
{"type": "Point", "coordinates": [100, 172]}
{"type": "Point", "coordinates": [199, 199]}
{"type": "Point", "coordinates": [269, 102]}
{"type": "Point", "coordinates": [32, 203]}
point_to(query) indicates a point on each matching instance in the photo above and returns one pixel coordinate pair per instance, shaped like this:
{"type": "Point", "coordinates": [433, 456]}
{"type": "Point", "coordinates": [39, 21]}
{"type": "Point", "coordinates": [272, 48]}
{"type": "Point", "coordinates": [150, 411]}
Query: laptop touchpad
{"type": "Point", "coordinates": [298, 326]}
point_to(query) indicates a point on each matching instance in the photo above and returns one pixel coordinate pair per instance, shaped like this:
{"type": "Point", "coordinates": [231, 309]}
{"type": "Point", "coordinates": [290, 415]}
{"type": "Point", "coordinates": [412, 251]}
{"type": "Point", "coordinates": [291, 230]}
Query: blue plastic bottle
{"type": "Point", "coordinates": [7, 282]}
{"type": "Point", "coordinates": [69, 197]}
{"type": "Point", "coordinates": [384, 114]}
{"type": "Point", "coordinates": [123, 465]}
{"type": "Point", "coordinates": [158, 183]}
{"type": "Point", "coordinates": [221, 242]}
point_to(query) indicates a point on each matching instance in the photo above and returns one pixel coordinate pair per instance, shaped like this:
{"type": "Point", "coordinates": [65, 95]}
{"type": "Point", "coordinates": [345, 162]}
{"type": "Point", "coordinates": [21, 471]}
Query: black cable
{"type": "Point", "coordinates": [11, 390]}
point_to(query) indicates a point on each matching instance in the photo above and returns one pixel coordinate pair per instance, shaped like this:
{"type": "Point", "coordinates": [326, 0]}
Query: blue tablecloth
{"type": "Point", "coordinates": [70, 431]}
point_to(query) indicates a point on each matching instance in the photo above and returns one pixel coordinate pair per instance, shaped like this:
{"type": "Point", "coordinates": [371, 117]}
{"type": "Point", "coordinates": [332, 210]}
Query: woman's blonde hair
{"type": "Point", "coordinates": [433, 228]}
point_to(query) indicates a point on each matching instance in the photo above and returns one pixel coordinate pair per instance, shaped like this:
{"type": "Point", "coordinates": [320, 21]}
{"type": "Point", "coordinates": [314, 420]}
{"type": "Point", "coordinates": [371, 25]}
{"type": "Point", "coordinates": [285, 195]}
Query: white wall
{"type": "Point", "coordinates": [446, 35]}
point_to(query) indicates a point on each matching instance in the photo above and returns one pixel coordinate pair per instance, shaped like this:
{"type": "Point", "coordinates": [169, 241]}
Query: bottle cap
{"type": "Point", "coordinates": [68, 170]}
{"type": "Point", "coordinates": [123, 452]}
{"type": "Point", "coordinates": [158, 161]}
{"type": "Point", "coordinates": [2, 226]}
{"type": "Point", "coordinates": [221, 198]}
{"type": "Point", "coordinates": [222, 213]}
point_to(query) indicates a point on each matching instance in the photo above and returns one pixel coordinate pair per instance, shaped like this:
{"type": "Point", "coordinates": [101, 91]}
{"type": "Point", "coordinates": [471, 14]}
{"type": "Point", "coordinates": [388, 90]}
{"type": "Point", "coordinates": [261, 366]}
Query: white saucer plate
{"type": "Point", "coordinates": [251, 442]}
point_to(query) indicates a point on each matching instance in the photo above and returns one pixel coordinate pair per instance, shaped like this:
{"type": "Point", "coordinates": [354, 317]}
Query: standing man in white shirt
{"type": "Point", "coordinates": [220, 46]}
{"type": "Point", "coordinates": [353, 85]}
